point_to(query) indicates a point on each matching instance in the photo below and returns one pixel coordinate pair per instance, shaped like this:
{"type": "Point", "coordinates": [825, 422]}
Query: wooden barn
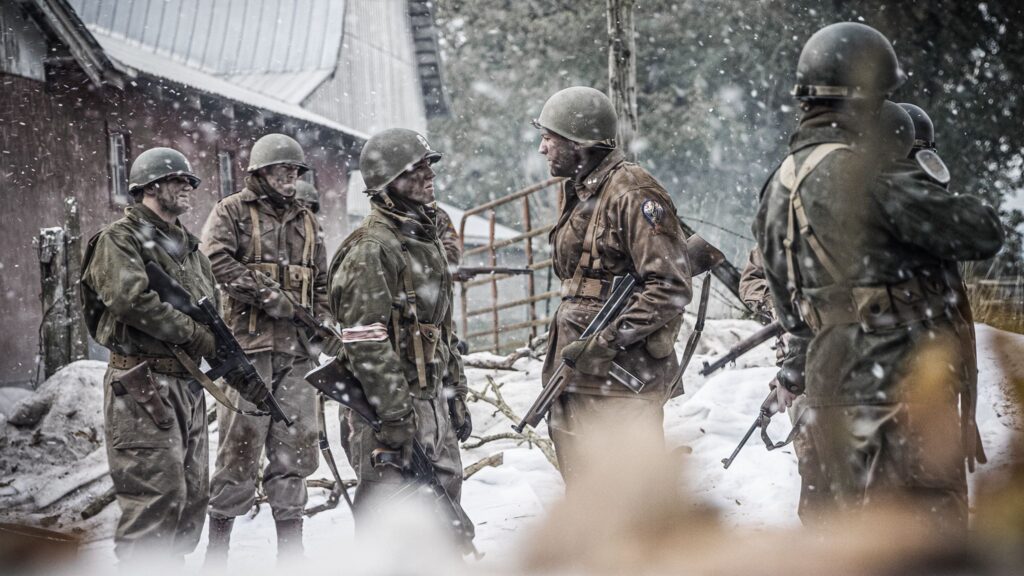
{"type": "Point", "coordinates": [89, 84]}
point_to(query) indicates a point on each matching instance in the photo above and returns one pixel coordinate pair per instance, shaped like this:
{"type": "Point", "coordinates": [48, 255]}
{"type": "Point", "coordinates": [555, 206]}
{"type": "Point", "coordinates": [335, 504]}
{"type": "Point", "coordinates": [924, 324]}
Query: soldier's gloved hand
{"type": "Point", "coordinates": [277, 305]}
{"type": "Point", "coordinates": [462, 420]}
{"type": "Point", "coordinates": [398, 434]}
{"type": "Point", "coordinates": [202, 343]}
{"type": "Point", "coordinates": [590, 356]}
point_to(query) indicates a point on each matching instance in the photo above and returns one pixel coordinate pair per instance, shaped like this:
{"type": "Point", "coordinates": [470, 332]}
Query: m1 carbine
{"type": "Point", "coordinates": [770, 331]}
{"type": "Point", "coordinates": [764, 416]}
{"type": "Point", "coordinates": [230, 361]}
{"type": "Point", "coordinates": [335, 381]}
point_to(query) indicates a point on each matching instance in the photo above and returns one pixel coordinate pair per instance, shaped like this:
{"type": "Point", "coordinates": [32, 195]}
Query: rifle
{"type": "Point", "coordinates": [230, 361]}
{"type": "Point", "coordinates": [753, 341]}
{"type": "Point", "coordinates": [622, 289]}
{"type": "Point", "coordinates": [339, 488]}
{"type": "Point", "coordinates": [335, 381]}
{"type": "Point", "coordinates": [464, 273]}
{"type": "Point", "coordinates": [764, 416]}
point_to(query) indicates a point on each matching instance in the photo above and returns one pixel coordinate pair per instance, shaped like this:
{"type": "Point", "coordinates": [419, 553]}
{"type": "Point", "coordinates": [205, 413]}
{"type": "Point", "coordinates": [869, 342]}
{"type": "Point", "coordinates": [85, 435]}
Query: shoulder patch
{"type": "Point", "coordinates": [653, 212]}
{"type": "Point", "coordinates": [932, 165]}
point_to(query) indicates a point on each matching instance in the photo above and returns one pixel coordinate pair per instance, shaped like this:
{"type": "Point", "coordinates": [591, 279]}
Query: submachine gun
{"type": "Point", "coordinates": [335, 381]}
{"type": "Point", "coordinates": [230, 361]}
{"type": "Point", "coordinates": [764, 416]}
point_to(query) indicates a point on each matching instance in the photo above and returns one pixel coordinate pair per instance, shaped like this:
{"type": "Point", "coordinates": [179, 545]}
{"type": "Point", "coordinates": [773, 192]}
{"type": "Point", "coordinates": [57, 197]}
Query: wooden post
{"type": "Point", "coordinates": [78, 341]}
{"type": "Point", "coordinates": [52, 270]}
{"type": "Point", "coordinates": [622, 71]}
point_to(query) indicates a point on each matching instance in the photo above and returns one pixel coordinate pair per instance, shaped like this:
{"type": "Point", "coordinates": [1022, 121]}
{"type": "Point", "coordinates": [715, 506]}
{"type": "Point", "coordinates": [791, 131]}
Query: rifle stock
{"type": "Point", "coordinates": [230, 357]}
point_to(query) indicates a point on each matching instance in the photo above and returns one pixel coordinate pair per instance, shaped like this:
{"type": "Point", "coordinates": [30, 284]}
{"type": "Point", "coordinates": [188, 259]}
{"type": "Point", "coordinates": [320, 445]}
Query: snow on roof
{"type": "Point", "coordinates": [128, 54]}
{"type": "Point", "coordinates": [476, 227]}
{"type": "Point", "coordinates": [291, 87]}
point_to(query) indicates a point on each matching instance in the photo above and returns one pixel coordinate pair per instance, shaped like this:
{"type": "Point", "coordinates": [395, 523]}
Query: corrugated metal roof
{"type": "Point", "coordinates": [226, 36]}
{"type": "Point", "coordinates": [127, 54]}
{"type": "Point", "coordinates": [292, 87]}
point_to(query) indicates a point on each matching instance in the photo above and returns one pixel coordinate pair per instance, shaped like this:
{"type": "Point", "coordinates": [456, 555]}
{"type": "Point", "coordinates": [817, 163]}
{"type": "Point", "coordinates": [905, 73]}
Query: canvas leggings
{"type": "Point", "coordinates": [291, 452]}
{"type": "Point", "coordinates": [160, 477]}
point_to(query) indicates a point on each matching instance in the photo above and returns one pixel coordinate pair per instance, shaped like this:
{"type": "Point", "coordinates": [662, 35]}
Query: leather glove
{"type": "Point", "coordinates": [398, 435]}
{"type": "Point", "coordinates": [462, 420]}
{"type": "Point", "coordinates": [589, 356]}
{"type": "Point", "coordinates": [202, 343]}
{"type": "Point", "coordinates": [277, 305]}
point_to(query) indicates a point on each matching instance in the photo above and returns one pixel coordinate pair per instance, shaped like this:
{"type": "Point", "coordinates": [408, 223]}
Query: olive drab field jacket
{"type": "Point", "coordinates": [123, 314]}
{"type": "Point", "coordinates": [391, 292]}
{"type": "Point", "coordinates": [252, 247]}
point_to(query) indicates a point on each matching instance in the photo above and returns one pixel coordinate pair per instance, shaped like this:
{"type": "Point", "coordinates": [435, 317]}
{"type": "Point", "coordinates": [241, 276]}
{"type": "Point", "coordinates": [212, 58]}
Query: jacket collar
{"type": "Point", "coordinates": [591, 183]}
{"type": "Point", "coordinates": [409, 219]}
{"type": "Point", "coordinates": [263, 205]}
{"type": "Point", "coordinates": [168, 236]}
{"type": "Point", "coordinates": [823, 126]}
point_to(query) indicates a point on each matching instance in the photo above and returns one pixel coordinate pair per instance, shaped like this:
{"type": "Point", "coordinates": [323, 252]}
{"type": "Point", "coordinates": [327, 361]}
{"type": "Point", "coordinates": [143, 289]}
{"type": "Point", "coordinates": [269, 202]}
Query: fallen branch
{"type": "Point", "coordinates": [494, 460]}
{"type": "Point", "coordinates": [503, 364]}
{"type": "Point", "coordinates": [491, 394]}
{"type": "Point", "coordinates": [97, 505]}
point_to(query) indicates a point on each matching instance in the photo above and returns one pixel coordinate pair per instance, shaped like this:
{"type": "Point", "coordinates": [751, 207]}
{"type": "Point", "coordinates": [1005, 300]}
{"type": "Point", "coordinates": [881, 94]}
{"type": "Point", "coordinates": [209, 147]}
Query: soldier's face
{"type": "Point", "coordinates": [416, 184]}
{"type": "Point", "coordinates": [282, 178]}
{"type": "Point", "coordinates": [563, 155]}
{"type": "Point", "coordinates": [173, 195]}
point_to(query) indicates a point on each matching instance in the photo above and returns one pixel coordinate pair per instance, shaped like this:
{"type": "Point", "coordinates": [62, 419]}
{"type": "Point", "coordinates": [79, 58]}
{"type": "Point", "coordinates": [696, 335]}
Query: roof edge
{"type": "Point", "coordinates": [85, 49]}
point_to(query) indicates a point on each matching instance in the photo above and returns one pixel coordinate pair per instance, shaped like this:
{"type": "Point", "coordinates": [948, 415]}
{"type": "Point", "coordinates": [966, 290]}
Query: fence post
{"type": "Point", "coordinates": [52, 271]}
{"type": "Point", "coordinates": [78, 342]}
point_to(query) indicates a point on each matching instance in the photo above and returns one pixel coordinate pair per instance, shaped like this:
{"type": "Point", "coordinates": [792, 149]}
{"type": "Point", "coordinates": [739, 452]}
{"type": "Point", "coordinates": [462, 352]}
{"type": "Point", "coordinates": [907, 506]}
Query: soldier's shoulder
{"type": "Point", "coordinates": [632, 188]}
{"type": "Point", "coordinates": [237, 200]}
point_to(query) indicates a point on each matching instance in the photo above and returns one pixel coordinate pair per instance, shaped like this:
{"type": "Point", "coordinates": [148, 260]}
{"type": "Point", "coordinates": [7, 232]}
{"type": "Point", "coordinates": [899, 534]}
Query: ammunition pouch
{"type": "Point", "coordinates": [663, 341]}
{"type": "Point", "coordinates": [593, 288]}
{"type": "Point", "coordinates": [159, 364]}
{"type": "Point", "coordinates": [139, 383]}
{"type": "Point", "coordinates": [875, 308]}
{"type": "Point", "coordinates": [429, 335]}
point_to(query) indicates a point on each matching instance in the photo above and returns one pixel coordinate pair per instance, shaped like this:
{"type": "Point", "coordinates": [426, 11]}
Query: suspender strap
{"type": "Point", "coordinates": [307, 260]}
{"type": "Point", "coordinates": [590, 257]}
{"type": "Point", "coordinates": [792, 178]}
{"type": "Point", "coordinates": [256, 253]}
{"type": "Point", "coordinates": [417, 336]}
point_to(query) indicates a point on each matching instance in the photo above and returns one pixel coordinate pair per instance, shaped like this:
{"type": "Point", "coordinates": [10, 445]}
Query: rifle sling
{"type": "Point", "coordinates": [208, 384]}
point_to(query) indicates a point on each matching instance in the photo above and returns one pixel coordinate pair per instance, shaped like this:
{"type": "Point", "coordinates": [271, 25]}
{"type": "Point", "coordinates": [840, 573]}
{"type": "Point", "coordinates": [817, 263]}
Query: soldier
{"type": "Point", "coordinates": [391, 291]}
{"type": "Point", "coordinates": [924, 163]}
{"type": "Point", "coordinates": [268, 256]}
{"type": "Point", "coordinates": [853, 262]}
{"type": "Point", "coordinates": [154, 413]}
{"type": "Point", "coordinates": [614, 219]}
{"type": "Point", "coordinates": [307, 196]}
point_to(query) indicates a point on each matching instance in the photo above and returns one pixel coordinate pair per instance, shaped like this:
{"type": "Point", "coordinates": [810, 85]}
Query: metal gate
{"type": "Point", "coordinates": [489, 331]}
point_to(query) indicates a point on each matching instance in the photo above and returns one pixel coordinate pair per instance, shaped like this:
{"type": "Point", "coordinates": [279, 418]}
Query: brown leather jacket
{"type": "Point", "coordinates": [290, 254]}
{"type": "Point", "coordinates": [636, 232]}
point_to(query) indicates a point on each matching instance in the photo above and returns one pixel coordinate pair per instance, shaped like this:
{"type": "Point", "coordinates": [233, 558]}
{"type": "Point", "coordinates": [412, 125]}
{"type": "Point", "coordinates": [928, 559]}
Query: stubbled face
{"type": "Point", "coordinates": [173, 195]}
{"type": "Point", "coordinates": [282, 178]}
{"type": "Point", "coordinates": [563, 155]}
{"type": "Point", "coordinates": [416, 184]}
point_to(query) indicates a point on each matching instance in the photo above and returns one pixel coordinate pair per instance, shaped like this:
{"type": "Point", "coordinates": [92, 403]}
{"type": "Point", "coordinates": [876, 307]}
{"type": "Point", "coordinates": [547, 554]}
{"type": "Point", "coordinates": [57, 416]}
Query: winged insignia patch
{"type": "Point", "coordinates": [653, 212]}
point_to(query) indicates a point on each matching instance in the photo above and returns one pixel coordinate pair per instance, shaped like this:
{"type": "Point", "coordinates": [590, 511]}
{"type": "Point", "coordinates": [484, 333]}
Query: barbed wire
{"type": "Point", "coordinates": [722, 228]}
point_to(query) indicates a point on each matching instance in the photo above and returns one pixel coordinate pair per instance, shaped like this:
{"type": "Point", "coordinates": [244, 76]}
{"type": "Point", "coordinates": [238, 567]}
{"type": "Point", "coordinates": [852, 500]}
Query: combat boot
{"type": "Point", "coordinates": [218, 542]}
{"type": "Point", "coordinates": [289, 539]}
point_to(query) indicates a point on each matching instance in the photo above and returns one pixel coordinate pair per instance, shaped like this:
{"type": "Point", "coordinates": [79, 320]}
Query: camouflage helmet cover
{"type": "Point", "coordinates": [307, 193]}
{"type": "Point", "coordinates": [388, 154]}
{"type": "Point", "coordinates": [924, 130]}
{"type": "Point", "coordinates": [276, 149]}
{"type": "Point", "coordinates": [581, 114]}
{"type": "Point", "coordinates": [159, 163]}
{"type": "Point", "coordinates": [847, 60]}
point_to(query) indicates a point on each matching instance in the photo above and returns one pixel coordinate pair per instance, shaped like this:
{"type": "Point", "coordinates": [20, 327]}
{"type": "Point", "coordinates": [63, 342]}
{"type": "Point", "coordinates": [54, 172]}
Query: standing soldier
{"type": "Point", "coordinates": [154, 413]}
{"type": "Point", "coordinates": [307, 196]}
{"type": "Point", "coordinates": [614, 219]}
{"type": "Point", "coordinates": [391, 291]}
{"type": "Point", "coordinates": [924, 164]}
{"type": "Point", "coordinates": [268, 256]}
{"type": "Point", "coordinates": [853, 262]}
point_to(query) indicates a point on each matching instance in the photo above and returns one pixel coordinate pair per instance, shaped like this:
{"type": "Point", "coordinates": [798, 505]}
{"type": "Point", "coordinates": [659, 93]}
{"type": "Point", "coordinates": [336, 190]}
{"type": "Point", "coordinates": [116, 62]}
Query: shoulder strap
{"type": "Point", "coordinates": [792, 178]}
{"type": "Point", "coordinates": [256, 251]}
{"type": "Point", "coordinates": [590, 257]}
{"type": "Point", "coordinates": [417, 336]}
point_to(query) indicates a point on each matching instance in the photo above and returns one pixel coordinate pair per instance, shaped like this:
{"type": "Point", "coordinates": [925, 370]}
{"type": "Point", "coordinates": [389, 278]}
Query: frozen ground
{"type": "Point", "coordinates": [760, 490]}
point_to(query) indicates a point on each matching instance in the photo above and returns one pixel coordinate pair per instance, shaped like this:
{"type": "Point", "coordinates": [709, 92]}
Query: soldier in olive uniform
{"type": "Point", "coordinates": [156, 437]}
{"type": "Point", "coordinates": [614, 219]}
{"type": "Point", "coordinates": [307, 196]}
{"type": "Point", "coordinates": [391, 291]}
{"type": "Point", "coordinates": [853, 259]}
{"type": "Point", "coordinates": [268, 254]}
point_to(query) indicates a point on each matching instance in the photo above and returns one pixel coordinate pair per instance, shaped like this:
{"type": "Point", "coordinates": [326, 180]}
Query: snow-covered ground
{"type": "Point", "coordinates": [759, 490]}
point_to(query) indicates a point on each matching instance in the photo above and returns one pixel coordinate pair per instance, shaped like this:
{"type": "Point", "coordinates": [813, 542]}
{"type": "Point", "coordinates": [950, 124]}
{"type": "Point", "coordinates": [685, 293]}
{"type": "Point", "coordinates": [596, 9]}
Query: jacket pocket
{"type": "Point", "coordinates": [132, 425]}
{"type": "Point", "coordinates": [663, 341]}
